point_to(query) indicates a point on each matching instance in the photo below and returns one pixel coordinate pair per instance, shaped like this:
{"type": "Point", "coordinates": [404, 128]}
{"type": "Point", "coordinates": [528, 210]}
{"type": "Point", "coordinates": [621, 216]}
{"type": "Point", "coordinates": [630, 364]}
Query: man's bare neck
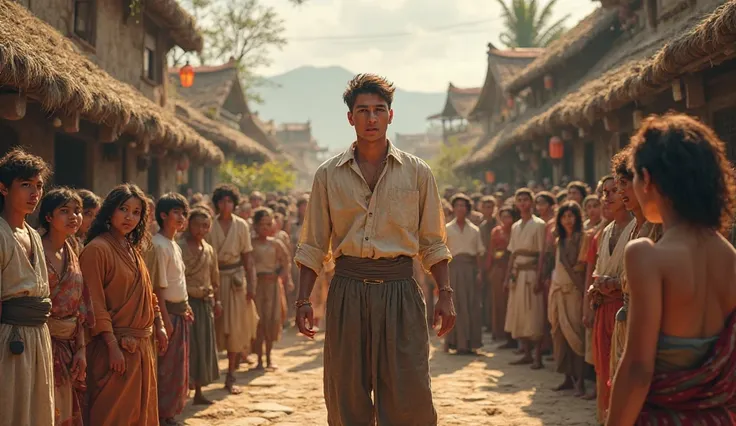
{"type": "Point", "coordinates": [526, 216]}
{"type": "Point", "coordinates": [622, 217]}
{"type": "Point", "coordinates": [371, 152]}
{"type": "Point", "coordinates": [15, 219]}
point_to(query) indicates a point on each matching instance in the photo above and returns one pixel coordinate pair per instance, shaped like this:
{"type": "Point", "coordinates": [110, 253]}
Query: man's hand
{"type": "Point", "coordinates": [162, 338]}
{"type": "Point", "coordinates": [218, 309]}
{"type": "Point", "coordinates": [304, 315]}
{"type": "Point", "coordinates": [444, 310]}
{"type": "Point", "coordinates": [79, 366]}
{"type": "Point", "coordinates": [588, 316]}
{"type": "Point", "coordinates": [479, 279]}
{"type": "Point", "coordinates": [250, 295]}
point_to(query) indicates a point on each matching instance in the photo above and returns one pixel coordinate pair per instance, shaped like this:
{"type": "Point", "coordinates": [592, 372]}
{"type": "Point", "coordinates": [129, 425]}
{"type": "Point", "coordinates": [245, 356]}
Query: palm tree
{"type": "Point", "coordinates": [528, 26]}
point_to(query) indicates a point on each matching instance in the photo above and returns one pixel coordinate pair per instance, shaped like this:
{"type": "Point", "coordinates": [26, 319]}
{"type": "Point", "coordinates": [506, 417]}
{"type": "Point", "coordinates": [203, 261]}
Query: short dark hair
{"type": "Point", "coordinates": [463, 197]}
{"type": "Point", "coordinates": [169, 202]}
{"type": "Point", "coordinates": [580, 186]}
{"type": "Point", "coordinates": [524, 191]}
{"type": "Point", "coordinates": [90, 200]}
{"type": "Point", "coordinates": [260, 213]}
{"type": "Point", "coordinates": [589, 198]}
{"type": "Point", "coordinates": [18, 164]}
{"type": "Point", "coordinates": [488, 199]}
{"type": "Point", "coordinates": [687, 163]}
{"type": "Point", "coordinates": [372, 84]}
{"type": "Point", "coordinates": [199, 211]}
{"type": "Point", "coordinates": [562, 196]}
{"type": "Point", "coordinates": [54, 199]}
{"type": "Point", "coordinates": [302, 200]}
{"type": "Point", "coordinates": [512, 210]}
{"type": "Point", "coordinates": [225, 190]}
{"type": "Point", "coordinates": [551, 200]}
{"type": "Point", "coordinates": [573, 207]}
{"type": "Point", "coordinates": [620, 164]}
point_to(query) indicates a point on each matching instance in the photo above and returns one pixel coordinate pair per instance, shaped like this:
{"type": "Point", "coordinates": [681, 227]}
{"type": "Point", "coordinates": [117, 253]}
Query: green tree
{"type": "Point", "coordinates": [269, 176]}
{"type": "Point", "coordinates": [442, 165]}
{"type": "Point", "coordinates": [529, 25]}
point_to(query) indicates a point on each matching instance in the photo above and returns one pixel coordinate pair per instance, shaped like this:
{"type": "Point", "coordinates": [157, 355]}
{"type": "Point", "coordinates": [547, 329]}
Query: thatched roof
{"type": "Point", "coordinates": [225, 137]}
{"type": "Point", "coordinates": [37, 60]}
{"type": "Point", "coordinates": [503, 66]}
{"type": "Point", "coordinates": [180, 24]}
{"type": "Point", "coordinates": [570, 44]}
{"type": "Point", "coordinates": [639, 66]}
{"type": "Point", "coordinates": [459, 102]}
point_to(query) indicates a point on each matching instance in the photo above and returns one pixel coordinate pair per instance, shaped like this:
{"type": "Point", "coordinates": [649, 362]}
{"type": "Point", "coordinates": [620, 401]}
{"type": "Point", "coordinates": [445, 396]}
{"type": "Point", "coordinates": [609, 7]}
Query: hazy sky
{"type": "Point", "coordinates": [419, 44]}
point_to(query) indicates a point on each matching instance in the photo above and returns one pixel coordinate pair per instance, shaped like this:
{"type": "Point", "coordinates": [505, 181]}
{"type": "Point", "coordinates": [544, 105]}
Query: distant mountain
{"type": "Point", "coordinates": [315, 93]}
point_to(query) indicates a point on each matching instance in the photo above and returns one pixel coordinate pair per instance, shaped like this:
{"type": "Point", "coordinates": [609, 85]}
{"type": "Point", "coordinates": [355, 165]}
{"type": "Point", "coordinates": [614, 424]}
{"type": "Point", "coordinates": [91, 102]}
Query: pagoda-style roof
{"type": "Point", "coordinates": [503, 66]}
{"type": "Point", "coordinates": [459, 102]}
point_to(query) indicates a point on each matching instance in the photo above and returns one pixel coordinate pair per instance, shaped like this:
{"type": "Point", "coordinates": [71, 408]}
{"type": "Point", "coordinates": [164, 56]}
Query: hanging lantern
{"type": "Point", "coordinates": [510, 102]}
{"type": "Point", "coordinates": [186, 75]}
{"type": "Point", "coordinates": [556, 148]}
{"type": "Point", "coordinates": [490, 177]}
{"type": "Point", "coordinates": [549, 82]}
{"type": "Point", "coordinates": [183, 163]}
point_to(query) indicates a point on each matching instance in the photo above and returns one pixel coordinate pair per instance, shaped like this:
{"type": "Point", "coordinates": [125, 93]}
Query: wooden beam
{"type": "Point", "coordinates": [13, 106]}
{"type": "Point", "coordinates": [108, 134]}
{"type": "Point", "coordinates": [70, 122]}
{"type": "Point", "coordinates": [611, 122]}
{"type": "Point", "coordinates": [637, 118]}
{"type": "Point", "coordinates": [694, 91]}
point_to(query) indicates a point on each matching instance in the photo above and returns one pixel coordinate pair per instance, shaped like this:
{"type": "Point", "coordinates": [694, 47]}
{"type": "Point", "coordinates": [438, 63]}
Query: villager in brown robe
{"type": "Point", "coordinates": [123, 303]}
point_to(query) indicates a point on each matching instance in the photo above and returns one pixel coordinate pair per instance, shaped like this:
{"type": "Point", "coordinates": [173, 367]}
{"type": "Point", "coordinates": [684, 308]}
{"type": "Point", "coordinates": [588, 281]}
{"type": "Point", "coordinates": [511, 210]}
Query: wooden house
{"type": "Point", "coordinates": [455, 116]}
{"type": "Point", "coordinates": [297, 139]}
{"type": "Point", "coordinates": [82, 85]}
{"type": "Point", "coordinates": [654, 57]}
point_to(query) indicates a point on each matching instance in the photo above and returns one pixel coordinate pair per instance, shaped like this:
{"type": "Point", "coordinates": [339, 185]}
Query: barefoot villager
{"type": "Point", "coordinates": [680, 354]}
{"type": "Point", "coordinates": [167, 270]}
{"type": "Point", "coordinates": [231, 238]}
{"type": "Point", "coordinates": [121, 375]}
{"type": "Point", "coordinates": [466, 247]}
{"type": "Point", "coordinates": [565, 308]}
{"type": "Point", "coordinates": [497, 262]}
{"type": "Point", "coordinates": [26, 362]}
{"type": "Point", "coordinates": [203, 279]}
{"type": "Point", "coordinates": [60, 216]}
{"type": "Point", "coordinates": [383, 209]}
{"type": "Point", "coordinates": [525, 313]}
{"type": "Point", "coordinates": [273, 269]}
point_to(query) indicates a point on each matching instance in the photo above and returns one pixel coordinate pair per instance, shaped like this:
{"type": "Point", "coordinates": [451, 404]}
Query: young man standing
{"type": "Point", "coordinates": [488, 209]}
{"type": "Point", "coordinates": [167, 270]}
{"type": "Point", "coordinates": [376, 207]}
{"type": "Point", "coordinates": [525, 318]}
{"type": "Point", "coordinates": [26, 361]}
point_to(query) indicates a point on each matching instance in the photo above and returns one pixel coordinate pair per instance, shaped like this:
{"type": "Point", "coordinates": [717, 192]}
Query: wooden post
{"type": "Point", "coordinates": [70, 122]}
{"type": "Point", "coordinates": [694, 91]}
{"type": "Point", "coordinates": [676, 90]}
{"type": "Point", "coordinates": [611, 122]}
{"type": "Point", "coordinates": [13, 106]}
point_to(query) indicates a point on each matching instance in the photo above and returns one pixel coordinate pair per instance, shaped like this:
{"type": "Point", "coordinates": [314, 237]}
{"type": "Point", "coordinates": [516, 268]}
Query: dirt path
{"type": "Point", "coordinates": [482, 390]}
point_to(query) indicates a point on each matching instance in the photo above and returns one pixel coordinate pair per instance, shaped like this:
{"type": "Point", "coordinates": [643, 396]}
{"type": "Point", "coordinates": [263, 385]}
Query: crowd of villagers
{"type": "Point", "coordinates": [630, 286]}
{"type": "Point", "coordinates": [114, 309]}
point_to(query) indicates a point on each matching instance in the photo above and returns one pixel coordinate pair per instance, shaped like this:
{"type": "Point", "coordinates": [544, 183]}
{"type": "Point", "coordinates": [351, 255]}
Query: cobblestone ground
{"type": "Point", "coordinates": [480, 390]}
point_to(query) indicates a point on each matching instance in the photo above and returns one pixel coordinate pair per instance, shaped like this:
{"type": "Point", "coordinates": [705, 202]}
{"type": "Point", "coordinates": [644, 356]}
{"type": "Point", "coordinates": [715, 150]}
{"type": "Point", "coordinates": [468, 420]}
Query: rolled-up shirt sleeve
{"type": "Point", "coordinates": [432, 233]}
{"type": "Point", "coordinates": [314, 240]}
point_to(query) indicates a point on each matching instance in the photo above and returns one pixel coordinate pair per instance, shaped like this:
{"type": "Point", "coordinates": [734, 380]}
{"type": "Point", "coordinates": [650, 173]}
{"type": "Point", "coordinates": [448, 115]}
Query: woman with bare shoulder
{"type": "Point", "coordinates": [680, 355]}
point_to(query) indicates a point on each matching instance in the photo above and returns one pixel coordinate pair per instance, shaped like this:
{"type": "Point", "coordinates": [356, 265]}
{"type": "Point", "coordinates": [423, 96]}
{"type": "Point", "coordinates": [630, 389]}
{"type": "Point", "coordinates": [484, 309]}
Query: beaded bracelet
{"type": "Point", "coordinates": [302, 302]}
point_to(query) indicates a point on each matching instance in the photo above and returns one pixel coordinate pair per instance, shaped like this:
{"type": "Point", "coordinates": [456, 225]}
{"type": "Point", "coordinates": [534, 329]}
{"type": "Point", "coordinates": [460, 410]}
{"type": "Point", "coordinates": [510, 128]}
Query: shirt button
{"type": "Point", "coordinates": [370, 214]}
{"type": "Point", "coordinates": [366, 238]}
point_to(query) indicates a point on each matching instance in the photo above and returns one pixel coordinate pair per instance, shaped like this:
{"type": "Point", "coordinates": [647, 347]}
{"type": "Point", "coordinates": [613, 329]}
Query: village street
{"type": "Point", "coordinates": [482, 390]}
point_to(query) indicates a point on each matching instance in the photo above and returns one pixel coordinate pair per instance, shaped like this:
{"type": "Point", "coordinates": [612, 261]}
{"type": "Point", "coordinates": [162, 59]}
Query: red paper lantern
{"type": "Point", "coordinates": [556, 148]}
{"type": "Point", "coordinates": [510, 102]}
{"type": "Point", "coordinates": [186, 75]}
{"type": "Point", "coordinates": [549, 82]}
{"type": "Point", "coordinates": [490, 177]}
{"type": "Point", "coordinates": [183, 164]}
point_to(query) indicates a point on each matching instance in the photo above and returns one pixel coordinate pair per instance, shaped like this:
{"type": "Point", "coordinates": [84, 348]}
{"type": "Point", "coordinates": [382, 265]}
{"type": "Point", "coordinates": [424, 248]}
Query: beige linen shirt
{"type": "Point", "coordinates": [466, 240]}
{"type": "Point", "coordinates": [402, 216]}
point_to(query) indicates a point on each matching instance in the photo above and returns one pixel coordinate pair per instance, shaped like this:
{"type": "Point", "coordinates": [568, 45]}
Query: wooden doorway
{"type": "Point", "coordinates": [70, 162]}
{"type": "Point", "coordinates": [589, 166]}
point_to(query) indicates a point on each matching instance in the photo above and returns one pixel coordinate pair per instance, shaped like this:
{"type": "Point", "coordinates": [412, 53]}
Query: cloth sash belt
{"type": "Point", "coordinates": [230, 267]}
{"type": "Point", "coordinates": [129, 338]}
{"type": "Point", "coordinates": [268, 276]}
{"type": "Point", "coordinates": [63, 328]}
{"type": "Point", "coordinates": [26, 311]}
{"type": "Point", "coordinates": [464, 258]}
{"type": "Point", "coordinates": [374, 271]}
{"type": "Point", "coordinates": [624, 311]}
{"type": "Point", "coordinates": [177, 308]}
{"type": "Point", "coordinates": [528, 266]}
